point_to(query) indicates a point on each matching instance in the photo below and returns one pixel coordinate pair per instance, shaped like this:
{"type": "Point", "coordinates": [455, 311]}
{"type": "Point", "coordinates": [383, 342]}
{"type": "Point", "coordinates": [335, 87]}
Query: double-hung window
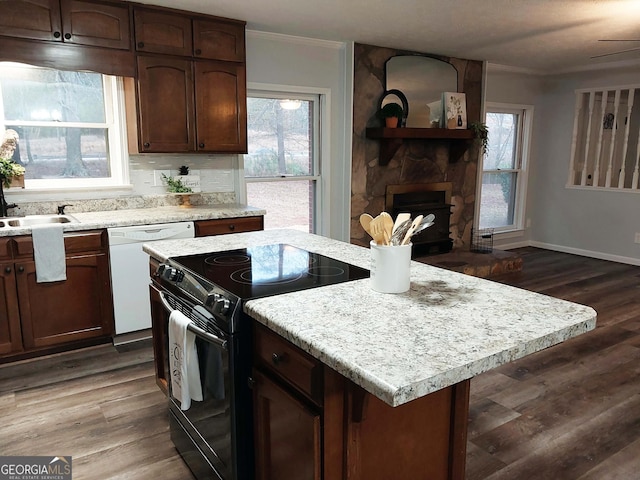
{"type": "Point", "coordinates": [68, 124]}
{"type": "Point", "coordinates": [504, 167]}
{"type": "Point", "coordinates": [282, 167]}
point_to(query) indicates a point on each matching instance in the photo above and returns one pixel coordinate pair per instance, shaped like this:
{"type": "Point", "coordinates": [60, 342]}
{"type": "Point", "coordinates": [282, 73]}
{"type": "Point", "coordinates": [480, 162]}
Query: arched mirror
{"type": "Point", "coordinates": [422, 80]}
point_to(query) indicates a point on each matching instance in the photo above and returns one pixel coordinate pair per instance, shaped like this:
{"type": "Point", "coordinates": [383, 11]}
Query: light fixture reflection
{"type": "Point", "coordinates": [290, 104]}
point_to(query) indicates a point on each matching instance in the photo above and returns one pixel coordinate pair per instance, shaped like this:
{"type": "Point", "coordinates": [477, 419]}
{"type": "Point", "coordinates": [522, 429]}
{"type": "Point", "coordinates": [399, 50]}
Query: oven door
{"type": "Point", "coordinates": [206, 428]}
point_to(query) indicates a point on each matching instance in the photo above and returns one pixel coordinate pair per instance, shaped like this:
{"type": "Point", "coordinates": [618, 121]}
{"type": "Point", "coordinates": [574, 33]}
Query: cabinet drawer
{"type": "Point", "coordinates": [277, 355]}
{"type": "Point", "coordinates": [74, 242]}
{"type": "Point", "coordinates": [228, 225]}
{"type": "Point", "coordinates": [6, 252]}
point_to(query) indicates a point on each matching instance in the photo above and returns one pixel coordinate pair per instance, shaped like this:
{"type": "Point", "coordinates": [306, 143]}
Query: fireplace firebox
{"type": "Point", "coordinates": [423, 199]}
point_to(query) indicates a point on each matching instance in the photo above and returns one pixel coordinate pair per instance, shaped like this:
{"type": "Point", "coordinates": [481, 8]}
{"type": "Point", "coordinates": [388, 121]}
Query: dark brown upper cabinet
{"type": "Point", "coordinates": [159, 32]}
{"type": "Point", "coordinates": [165, 104]}
{"type": "Point", "coordinates": [82, 22]}
{"type": "Point", "coordinates": [219, 40]}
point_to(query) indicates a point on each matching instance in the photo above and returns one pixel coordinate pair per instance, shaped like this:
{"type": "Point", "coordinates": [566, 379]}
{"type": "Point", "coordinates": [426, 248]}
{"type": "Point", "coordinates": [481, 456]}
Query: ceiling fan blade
{"type": "Point", "coordinates": [616, 53]}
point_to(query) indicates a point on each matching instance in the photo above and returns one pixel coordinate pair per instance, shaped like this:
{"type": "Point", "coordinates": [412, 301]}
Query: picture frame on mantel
{"type": "Point", "coordinates": [454, 105]}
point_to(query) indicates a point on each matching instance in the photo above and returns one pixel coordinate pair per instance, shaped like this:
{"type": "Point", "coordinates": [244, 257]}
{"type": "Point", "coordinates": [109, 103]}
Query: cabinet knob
{"type": "Point", "coordinates": [20, 269]}
{"type": "Point", "coordinates": [201, 145]}
{"type": "Point", "coordinates": [198, 51]}
{"type": "Point", "coordinates": [233, 227]}
{"type": "Point", "coordinates": [140, 44]}
{"type": "Point", "coordinates": [146, 145]}
{"type": "Point", "coordinates": [7, 269]}
{"type": "Point", "coordinates": [67, 36]}
{"type": "Point", "coordinates": [278, 359]}
{"type": "Point", "coordinates": [56, 34]}
{"type": "Point", "coordinates": [251, 382]}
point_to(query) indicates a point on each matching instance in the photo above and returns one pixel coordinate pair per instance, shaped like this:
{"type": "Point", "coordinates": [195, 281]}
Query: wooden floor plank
{"type": "Point", "coordinates": [570, 412]}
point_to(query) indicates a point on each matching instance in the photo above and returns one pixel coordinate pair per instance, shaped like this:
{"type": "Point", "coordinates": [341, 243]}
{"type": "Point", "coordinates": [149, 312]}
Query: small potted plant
{"type": "Point", "coordinates": [481, 132]}
{"type": "Point", "coordinates": [9, 170]}
{"type": "Point", "coordinates": [391, 113]}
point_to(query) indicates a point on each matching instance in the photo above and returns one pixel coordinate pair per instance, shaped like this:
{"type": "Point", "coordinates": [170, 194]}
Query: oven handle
{"type": "Point", "coordinates": [196, 330]}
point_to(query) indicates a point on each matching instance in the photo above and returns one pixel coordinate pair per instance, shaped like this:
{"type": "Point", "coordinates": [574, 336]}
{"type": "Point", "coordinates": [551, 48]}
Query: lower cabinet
{"type": "Point", "coordinates": [287, 433]}
{"type": "Point", "coordinates": [78, 308]}
{"type": "Point", "coordinates": [312, 423]}
{"type": "Point", "coordinates": [42, 317]}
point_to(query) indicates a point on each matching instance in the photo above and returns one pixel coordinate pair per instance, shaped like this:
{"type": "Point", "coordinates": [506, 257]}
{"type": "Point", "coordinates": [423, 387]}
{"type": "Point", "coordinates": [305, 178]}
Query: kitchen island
{"type": "Point", "coordinates": [396, 367]}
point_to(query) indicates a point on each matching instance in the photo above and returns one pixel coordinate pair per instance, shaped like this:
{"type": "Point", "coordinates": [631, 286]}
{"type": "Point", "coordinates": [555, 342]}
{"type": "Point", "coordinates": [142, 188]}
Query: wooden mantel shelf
{"type": "Point", "coordinates": [392, 138]}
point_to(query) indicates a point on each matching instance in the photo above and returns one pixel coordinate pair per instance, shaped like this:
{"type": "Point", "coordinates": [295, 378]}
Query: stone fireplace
{"type": "Point", "coordinates": [416, 161]}
{"type": "Point", "coordinates": [423, 199]}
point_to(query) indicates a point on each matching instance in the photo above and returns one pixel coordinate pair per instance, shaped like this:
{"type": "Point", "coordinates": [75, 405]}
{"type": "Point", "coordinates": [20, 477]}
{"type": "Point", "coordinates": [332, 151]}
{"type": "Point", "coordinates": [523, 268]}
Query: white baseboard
{"type": "Point", "coordinates": [579, 251]}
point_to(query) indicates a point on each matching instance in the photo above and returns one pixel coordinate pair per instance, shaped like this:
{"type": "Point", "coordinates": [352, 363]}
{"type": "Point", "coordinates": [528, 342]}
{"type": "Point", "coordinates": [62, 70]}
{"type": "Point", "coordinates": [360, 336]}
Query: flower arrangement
{"type": "Point", "coordinates": [8, 168]}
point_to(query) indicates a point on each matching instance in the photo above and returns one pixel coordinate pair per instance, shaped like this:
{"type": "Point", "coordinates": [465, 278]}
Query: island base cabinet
{"type": "Point", "coordinates": [313, 423]}
{"type": "Point", "coordinates": [287, 434]}
{"type": "Point", "coordinates": [417, 440]}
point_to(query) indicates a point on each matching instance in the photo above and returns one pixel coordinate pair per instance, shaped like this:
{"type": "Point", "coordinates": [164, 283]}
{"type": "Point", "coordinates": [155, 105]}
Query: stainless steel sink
{"type": "Point", "coordinates": [31, 220]}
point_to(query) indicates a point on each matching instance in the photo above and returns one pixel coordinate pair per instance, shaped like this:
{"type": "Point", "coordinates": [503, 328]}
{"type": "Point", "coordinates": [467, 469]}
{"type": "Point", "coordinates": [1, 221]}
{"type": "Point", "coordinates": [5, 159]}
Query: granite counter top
{"type": "Point", "coordinates": [447, 328]}
{"type": "Point", "coordinates": [147, 216]}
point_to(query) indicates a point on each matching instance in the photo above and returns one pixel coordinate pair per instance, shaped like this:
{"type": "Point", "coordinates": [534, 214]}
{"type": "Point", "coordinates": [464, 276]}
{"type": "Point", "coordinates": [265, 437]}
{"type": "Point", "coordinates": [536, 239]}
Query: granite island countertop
{"type": "Point", "coordinates": [146, 216]}
{"type": "Point", "coordinates": [447, 328]}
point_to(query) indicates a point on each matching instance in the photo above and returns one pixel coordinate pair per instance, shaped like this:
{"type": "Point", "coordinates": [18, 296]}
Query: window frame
{"type": "Point", "coordinates": [523, 144]}
{"type": "Point", "coordinates": [318, 98]}
{"type": "Point", "coordinates": [115, 124]}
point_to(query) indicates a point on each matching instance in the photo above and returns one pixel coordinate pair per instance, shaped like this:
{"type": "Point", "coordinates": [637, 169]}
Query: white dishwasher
{"type": "Point", "coordinates": [130, 270]}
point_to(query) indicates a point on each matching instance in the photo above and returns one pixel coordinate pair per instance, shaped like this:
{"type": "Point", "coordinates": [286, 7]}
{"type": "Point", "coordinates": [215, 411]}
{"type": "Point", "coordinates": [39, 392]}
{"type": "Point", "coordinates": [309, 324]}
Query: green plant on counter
{"type": "Point", "coordinates": [175, 185]}
{"type": "Point", "coordinates": [481, 132]}
{"type": "Point", "coordinates": [8, 170]}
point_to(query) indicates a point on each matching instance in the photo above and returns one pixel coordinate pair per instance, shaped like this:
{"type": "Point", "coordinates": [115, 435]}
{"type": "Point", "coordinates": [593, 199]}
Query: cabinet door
{"type": "Point", "coordinates": [98, 24]}
{"type": "Point", "coordinates": [221, 107]}
{"type": "Point", "coordinates": [160, 333]}
{"type": "Point", "coordinates": [163, 33]}
{"type": "Point", "coordinates": [78, 308]}
{"type": "Point", "coordinates": [165, 105]}
{"type": "Point", "coordinates": [287, 434]}
{"type": "Point", "coordinates": [219, 40]}
{"type": "Point", "coordinates": [10, 334]}
{"type": "Point", "coordinates": [37, 19]}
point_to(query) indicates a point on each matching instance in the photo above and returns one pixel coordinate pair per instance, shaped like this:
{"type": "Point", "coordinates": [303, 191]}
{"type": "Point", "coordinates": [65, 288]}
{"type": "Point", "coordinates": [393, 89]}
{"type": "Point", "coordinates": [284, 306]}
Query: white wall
{"type": "Point", "coordinates": [600, 224]}
{"type": "Point", "coordinates": [282, 60]}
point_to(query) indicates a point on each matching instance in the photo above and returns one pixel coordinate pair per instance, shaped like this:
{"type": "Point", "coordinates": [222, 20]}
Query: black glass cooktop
{"type": "Point", "coordinates": [269, 270]}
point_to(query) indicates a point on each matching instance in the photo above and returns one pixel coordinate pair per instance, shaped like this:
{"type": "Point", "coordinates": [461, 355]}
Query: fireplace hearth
{"type": "Point", "coordinates": [423, 199]}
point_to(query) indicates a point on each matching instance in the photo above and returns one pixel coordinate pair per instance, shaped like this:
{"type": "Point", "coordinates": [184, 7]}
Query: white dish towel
{"type": "Point", "coordinates": [185, 371]}
{"type": "Point", "coordinates": [48, 252]}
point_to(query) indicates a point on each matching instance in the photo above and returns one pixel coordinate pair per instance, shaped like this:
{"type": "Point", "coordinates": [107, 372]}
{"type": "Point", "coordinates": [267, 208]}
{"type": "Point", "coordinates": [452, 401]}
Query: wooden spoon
{"type": "Point", "coordinates": [387, 224]}
{"type": "Point", "coordinates": [365, 221]}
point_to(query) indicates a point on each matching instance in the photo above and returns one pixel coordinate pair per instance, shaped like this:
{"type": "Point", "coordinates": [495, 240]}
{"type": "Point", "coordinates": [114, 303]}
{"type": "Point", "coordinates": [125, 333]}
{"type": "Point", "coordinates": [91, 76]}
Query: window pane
{"type": "Point", "coordinates": [36, 94]}
{"type": "Point", "coordinates": [502, 141]}
{"type": "Point", "coordinates": [497, 199]}
{"type": "Point", "coordinates": [288, 203]}
{"type": "Point", "coordinates": [50, 152]}
{"type": "Point", "coordinates": [279, 138]}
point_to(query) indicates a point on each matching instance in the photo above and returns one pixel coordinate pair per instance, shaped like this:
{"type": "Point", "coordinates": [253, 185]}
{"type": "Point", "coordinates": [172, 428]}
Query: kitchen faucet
{"type": "Point", "coordinates": [62, 207]}
{"type": "Point", "coordinates": [4, 206]}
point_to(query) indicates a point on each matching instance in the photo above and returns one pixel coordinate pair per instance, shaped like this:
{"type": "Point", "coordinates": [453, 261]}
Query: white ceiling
{"type": "Point", "coordinates": [544, 36]}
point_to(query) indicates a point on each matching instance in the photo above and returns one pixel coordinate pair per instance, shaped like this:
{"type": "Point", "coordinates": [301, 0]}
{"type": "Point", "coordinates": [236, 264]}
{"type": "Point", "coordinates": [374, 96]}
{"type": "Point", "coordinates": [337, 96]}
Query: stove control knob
{"type": "Point", "coordinates": [221, 305]}
{"type": "Point", "coordinates": [169, 273]}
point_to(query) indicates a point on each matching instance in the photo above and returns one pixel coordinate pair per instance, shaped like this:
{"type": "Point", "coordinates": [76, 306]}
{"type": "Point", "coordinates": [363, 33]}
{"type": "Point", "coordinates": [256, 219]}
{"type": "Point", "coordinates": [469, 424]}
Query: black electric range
{"type": "Point", "coordinates": [215, 436]}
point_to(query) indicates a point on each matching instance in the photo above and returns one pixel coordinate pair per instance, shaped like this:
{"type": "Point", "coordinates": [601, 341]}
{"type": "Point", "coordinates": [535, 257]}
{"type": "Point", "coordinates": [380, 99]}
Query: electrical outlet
{"type": "Point", "coordinates": [157, 177]}
{"type": "Point", "coordinates": [637, 239]}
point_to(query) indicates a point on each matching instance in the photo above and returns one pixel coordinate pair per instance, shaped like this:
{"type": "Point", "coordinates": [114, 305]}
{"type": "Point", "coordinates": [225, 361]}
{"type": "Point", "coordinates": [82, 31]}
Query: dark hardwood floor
{"type": "Point", "coordinates": [570, 412]}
